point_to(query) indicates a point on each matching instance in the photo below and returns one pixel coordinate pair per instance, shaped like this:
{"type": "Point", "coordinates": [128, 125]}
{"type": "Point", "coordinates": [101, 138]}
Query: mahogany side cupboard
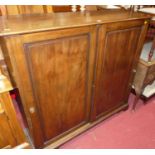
{"type": "Point", "coordinates": [72, 70]}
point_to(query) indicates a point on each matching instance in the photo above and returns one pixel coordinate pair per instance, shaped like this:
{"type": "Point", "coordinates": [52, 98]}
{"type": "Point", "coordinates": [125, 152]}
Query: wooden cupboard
{"type": "Point", "coordinates": [24, 9]}
{"type": "Point", "coordinates": [72, 69]}
{"type": "Point", "coordinates": [115, 65]}
{"type": "Point", "coordinates": [57, 83]}
{"type": "Point", "coordinates": [11, 132]}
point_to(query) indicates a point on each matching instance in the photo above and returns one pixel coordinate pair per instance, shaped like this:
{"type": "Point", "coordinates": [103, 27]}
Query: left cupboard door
{"type": "Point", "coordinates": [54, 72]}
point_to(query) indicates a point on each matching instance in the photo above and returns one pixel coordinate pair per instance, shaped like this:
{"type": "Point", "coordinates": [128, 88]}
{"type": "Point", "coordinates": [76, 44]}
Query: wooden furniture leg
{"type": "Point", "coordinates": [135, 101]}
{"type": "Point", "coordinates": [138, 94]}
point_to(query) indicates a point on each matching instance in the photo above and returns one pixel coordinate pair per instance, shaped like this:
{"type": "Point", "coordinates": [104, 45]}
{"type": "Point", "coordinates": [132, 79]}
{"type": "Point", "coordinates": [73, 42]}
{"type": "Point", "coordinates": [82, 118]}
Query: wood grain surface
{"type": "Point", "coordinates": [51, 21]}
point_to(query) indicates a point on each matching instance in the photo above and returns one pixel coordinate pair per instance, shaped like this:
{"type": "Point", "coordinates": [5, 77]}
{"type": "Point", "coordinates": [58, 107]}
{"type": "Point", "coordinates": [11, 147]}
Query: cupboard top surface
{"type": "Point", "coordinates": [20, 24]}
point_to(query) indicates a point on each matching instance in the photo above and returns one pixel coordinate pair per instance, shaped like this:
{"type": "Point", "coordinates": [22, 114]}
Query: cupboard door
{"type": "Point", "coordinates": [56, 69]}
{"type": "Point", "coordinates": [116, 55]}
{"type": "Point", "coordinates": [58, 73]}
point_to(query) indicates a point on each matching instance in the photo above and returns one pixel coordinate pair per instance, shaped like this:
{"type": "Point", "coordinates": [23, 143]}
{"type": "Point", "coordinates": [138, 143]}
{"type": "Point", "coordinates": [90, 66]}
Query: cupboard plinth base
{"type": "Point", "coordinates": [84, 128]}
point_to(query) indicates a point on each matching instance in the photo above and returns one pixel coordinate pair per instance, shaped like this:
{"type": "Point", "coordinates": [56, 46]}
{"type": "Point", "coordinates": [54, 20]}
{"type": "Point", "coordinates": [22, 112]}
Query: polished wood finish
{"type": "Point", "coordinates": [24, 9]}
{"type": "Point", "coordinates": [11, 133]}
{"type": "Point", "coordinates": [63, 8]}
{"type": "Point", "coordinates": [64, 63]}
{"type": "Point", "coordinates": [35, 9]}
{"type": "Point", "coordinates": [116, 52]}
{"type": "Point", "coordinates": [68, 8]}
{"type": "Point", "coordinates": [68, 67]}
{"type": "Point", "coordinates": [6, 136]}
{"type": "Point", "coordinates": [53, 21]}
{"type": "Point", "coordinates": [83, 128]}
{"type": "Point", "coordinates": [6, 10]}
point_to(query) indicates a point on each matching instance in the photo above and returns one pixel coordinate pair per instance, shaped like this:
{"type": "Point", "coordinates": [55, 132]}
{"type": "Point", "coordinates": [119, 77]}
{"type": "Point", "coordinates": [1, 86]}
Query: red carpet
{"type": "Point", "coordinates": [125, 130]}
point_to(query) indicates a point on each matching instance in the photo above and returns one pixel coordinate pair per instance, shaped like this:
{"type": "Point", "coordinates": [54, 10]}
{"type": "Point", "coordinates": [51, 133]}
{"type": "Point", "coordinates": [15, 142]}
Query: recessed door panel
{"type": "Point", "coordinates": [114, 69]}
{"type": "Point", "coordinates": [58, 72]}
